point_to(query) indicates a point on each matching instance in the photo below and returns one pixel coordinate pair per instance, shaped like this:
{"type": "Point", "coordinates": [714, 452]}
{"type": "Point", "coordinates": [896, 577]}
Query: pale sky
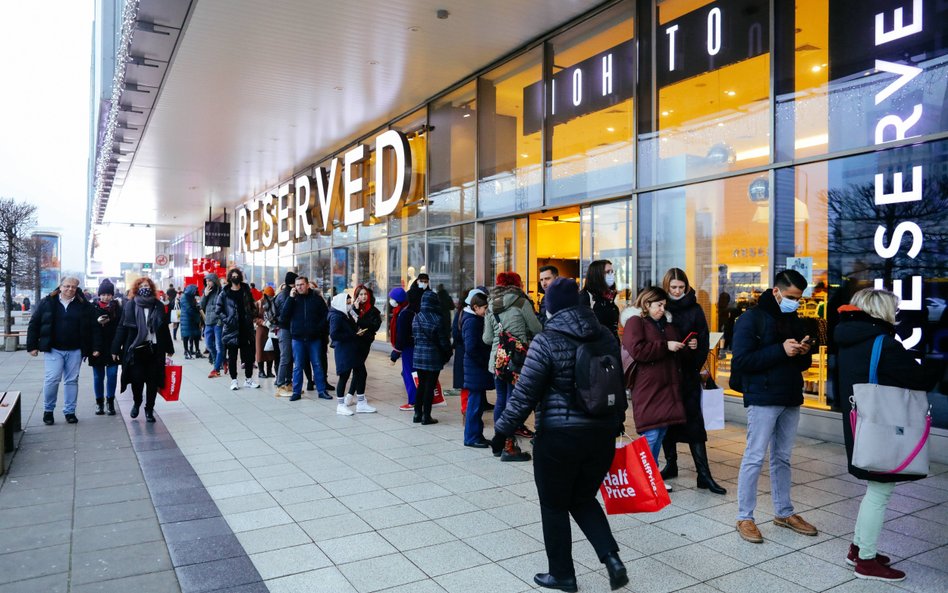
{"type": "Point", "coordinates": [45, 81]}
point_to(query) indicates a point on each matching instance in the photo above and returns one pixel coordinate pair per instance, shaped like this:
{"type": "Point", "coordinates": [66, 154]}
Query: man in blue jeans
{"type": "Point", "coordinates": [771, 351]}
{"type": "Point", "coordinates": [213, 332]}
{"type": "Point", "coordinates": [305, 313]}
{"type": "Point", "coordinates": [61, 327]}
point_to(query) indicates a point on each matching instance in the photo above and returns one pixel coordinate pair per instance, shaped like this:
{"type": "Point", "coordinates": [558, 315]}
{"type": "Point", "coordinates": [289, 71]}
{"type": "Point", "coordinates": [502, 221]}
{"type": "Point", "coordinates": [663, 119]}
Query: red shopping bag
{"type": "Point", "coordinates": [172, 388]}
{"type": "Point", "coordinates": [438, 393]}
{"type": "Point", "coordinates": [633, 484]}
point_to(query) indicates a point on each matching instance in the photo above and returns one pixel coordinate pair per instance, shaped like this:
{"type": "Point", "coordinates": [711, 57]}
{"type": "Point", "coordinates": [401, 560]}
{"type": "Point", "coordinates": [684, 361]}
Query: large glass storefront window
{"type": "Point", "coordinates": [608, 234]}
{"type": "Point", "coordinates": [590, 118]}
{"type": "Point", "coordinates": [373, 273]}
{"type": "Point", "coordinates": [451, 260]}
{"type": "Point", "coordinates": [410, 218]}
{"type": "Point", "coordinates": [847, 78]}
{"type": "Point", "coordinates": [452, 124]}
{"type": "Point", "coordinates": [509, 136]}
{"type": "Point", "coordinates": [708, 111]}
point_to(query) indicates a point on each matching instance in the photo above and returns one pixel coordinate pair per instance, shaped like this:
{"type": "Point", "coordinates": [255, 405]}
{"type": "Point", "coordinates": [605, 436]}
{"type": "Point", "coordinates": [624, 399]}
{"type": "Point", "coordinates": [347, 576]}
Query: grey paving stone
{"type": "Point", "coordinates": [353, 548]}
{"type": "Point", "coordinates": [393, 516]}
{"type": "Point", "coordinates": [56, 583]}
{"type": "Point", "coordinates": [187, 512]}
{"type": "Point", "coordinates": [273, 538]}
{"type": "Point", "coordinates": [416, 535]}
{"type": "Point", "coordinates": [754, 580]}
{"type": "Point", "coordinates": [17, 539]}
{"type": "Point", "coordinates": [807, 571]}
{"type": "Point", "coordinates": [649, 539]}
{"type": "Point", "coordinates": [489, 578]}
{"type": "Point", "coordinates": [11, 498]}
{"type": "Point", "coordinates": [249, 502]}
{"type": "Point", "coordinates": [101, 480]}
{"type": "Point", "coordinates": [218, 574]}
{"type": "Point", "coordinates": [499, 545]}
{"type": "Point", "coordinates": [118, 512]}
{"type": "Point", "coordinates": [16, 484]}
{"type": "Point", "coordinates": [447, 557]}
{"type": "Point", "coordinates": [324, 580]}
{"type": "Point", "coordinates": [471, 524]}
{"type": "Point", "coordinates": [287, 561]}
{"type": "Point", "coordinates": [120, 562]}
{"type": "Point", "coordinates": [156, 582]}
{"type": "Point", "coordinates": [112, 535]}
{"type": "Point", "coordinates": [19, 566]}
{"type": "Point", "coordinates": [335, 526]}
{"type": "Point", "coordinates": [920, 529]}
{"type": "Point", "coordinates": [185, 496]}
{"type": "Point", "coordinates": [700, 562]}
{"type": "Point", "coordinates": [732, 545]}
{"type": "Point", "coordinates": [110, 494]}
{"type": "Point", "coordinates": [383, 572]}
{"type": "Point", "coordinates": [694, 527]}
{"type": "Point", "coordinates": [206, 549]}
{"type": "Point", "coordinates": [183, 531]}
{"type": "Point", "coordinates": [259, 519]}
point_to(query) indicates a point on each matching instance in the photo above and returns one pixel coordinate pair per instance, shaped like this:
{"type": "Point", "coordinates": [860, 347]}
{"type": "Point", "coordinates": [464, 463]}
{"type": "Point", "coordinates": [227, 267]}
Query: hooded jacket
{"type": "Point", "coordinates": [209, 300]}
{"type": "Point", "coordinates": [230, 318]}
{"type": "Point", "coordinates": [854, 337]}
{"type": "Point", "coordinates": [771, 378]}
{"type": "Point", "coordinates": [514, 311]}
{"type": "Point", "coordinates": [474, 353]}
{"type": "Point", "coordinates": [432, 342]}
{"type": "Point", "coordinates": [547, 381]}
{"type": "Point", "coordinates": [656, 390]}
{"type": "Point", "coordinates": [190, 315]}
{"type": "Point", "coordinates": [49, 315]}
{"type": "Point", "coordinates": [342, 331]}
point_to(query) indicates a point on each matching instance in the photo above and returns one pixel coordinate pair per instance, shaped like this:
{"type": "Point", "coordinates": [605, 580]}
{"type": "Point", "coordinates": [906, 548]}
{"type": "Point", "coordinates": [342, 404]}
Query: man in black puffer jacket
{"type": "Point", "coordinates": [573, 450]}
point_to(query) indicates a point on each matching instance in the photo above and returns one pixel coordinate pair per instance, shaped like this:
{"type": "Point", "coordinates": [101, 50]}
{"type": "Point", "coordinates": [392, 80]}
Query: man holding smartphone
{"type": "Point", "coordinates": [771, 351]}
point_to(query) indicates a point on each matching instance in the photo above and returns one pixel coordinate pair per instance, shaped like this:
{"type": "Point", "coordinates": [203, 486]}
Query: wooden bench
{"type": "Point", "coordinates": [9, 422]}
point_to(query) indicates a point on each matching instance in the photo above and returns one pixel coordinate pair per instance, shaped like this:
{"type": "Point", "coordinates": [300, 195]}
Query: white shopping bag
{"type": "Point", "coordinates": [712, 408]}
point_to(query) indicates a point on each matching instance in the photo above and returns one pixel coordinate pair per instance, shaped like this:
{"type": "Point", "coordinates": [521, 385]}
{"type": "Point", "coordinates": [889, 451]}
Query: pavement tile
{"type": "Point", "coordinates": [18, 539]}
{"type": "Point", "coordinates": [287, 561]}
{"type": "Point", "coordinates": [120, 562]}
{"type": "Point", "coordinates": [812, 573]}
{"type": "Point", "coordinates": [259, 519]}
{"type": "Point", "coordinates": [353, 548]}
{"type": "Point", "coordinates": [55, 583]}
{"type": "Point", "coordinates": [416, 535]}
{"type": "Point", "coordinates": [205, 549]}
{"type": "Point", "coordinates": [183, 531]}
{"type": "Point", "coordinates": [113, 535]}
{"type": "Point", "coordinates": [448, 557]}
{"type": "Point", "coordinates": [489, 578]}
{"type": "Point", "coordinates": [19, 566]}
{"type": "Point", "coordinates": [155, 582]}
{"type": "Point", "coordinates": [383, 572]}
{"type": "Point", "coordinates": [701, 562]}
{"type": "Point", "coordinates": [273, 538]}
{"type": "Point", "coordinates": [471, 524]}
{"type": "Point", "coordinates": [187, 512]}
{"type": "Point", "coordinates": [324, 580]}
{"type": "Point", "coordinates": [218, 574]}
{"type": "Point", "coordinates": [755, 580]}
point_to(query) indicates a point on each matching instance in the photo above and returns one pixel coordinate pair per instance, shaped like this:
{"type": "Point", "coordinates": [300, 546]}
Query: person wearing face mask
{"type": "Point", "coordinates": [688, 317]}
{"type": "Point", "coordinates": [771, 351]}
{"type": "Point", "coordinates": [107, 313]}
{"type": "Point", "coordinates": [403, 345]}
{"type": "Point", "coordinates": [599, 293]}
{"type": "Point", "coordinates": [368, 321]}
{"type": "Point", "coordinates": [432, 351]}
{"type": "Point", "coordinates": [475, 358]}
{"type": "Point", "coordinates": [345, 345]}
{"type": "Point", "coordinates": [236, 312]}
{"type": "Point", "coordinates": [142, 341]}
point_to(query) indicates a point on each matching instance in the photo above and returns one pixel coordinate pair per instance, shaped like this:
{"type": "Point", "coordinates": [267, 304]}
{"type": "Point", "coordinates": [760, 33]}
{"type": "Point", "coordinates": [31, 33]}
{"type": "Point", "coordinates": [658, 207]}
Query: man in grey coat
{"type": "Point", "coordinates": [283, 378]}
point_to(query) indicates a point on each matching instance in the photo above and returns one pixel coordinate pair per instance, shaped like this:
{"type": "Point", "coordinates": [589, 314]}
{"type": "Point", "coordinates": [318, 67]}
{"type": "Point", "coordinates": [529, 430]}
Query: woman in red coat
{"type": "Point", "coordinates": [653, 342]}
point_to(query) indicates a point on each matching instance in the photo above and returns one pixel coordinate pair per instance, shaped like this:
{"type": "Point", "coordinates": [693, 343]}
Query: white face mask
{"type": "Point", "coordinates": [676, 298]}
{"type": "Point", "coordinates": [393, 303]}
{"type": "Point", "coordinates": [549, 315]}
{"type": "Point", "coordinates": [610, 279]}
{"type": "Point", "coordinates": [423, 285]}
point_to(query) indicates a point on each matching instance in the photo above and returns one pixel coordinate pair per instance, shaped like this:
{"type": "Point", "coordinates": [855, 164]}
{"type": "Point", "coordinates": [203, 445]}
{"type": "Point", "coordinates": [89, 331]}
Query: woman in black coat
{"type": "Point", "coordinates": [368, 320]}
{"type": "Point", "coordinates": [599, 293]}
{"type": "Point", "coordinates": [872, 313]}
{"type": "Point", "coordinates": [432, 351]}
{"type": "Point", "coordinates": [236, 312]}
{"type": "Point", "coordinates": [107, 314]}
{"type": "Point", "coordinates": [687, 317]}
{"type": "Point", "coordinates": [142, 341]}
{"type": "Point", "coordinates": [573, 451]}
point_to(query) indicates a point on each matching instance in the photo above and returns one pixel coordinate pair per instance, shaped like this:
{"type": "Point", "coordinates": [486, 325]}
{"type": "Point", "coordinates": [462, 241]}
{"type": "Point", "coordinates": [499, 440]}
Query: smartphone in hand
{"type": "Point", "coordinates": [689, 336]}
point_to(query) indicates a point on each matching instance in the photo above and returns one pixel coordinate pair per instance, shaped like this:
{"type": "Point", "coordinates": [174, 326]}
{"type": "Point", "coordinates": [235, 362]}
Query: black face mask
{"type": "Point", "coordinates": [235, 280]}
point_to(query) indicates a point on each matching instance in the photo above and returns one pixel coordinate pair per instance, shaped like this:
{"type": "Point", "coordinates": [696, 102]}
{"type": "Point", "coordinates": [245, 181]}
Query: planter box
{"type": "Point", "coordinates": [11, 343]}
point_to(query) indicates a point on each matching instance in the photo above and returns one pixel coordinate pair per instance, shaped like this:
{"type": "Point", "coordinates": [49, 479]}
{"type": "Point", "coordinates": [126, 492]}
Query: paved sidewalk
{"type": "Point", "coordinates": [318, 502]}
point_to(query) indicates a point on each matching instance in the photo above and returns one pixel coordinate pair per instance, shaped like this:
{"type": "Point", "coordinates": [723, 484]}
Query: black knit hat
{"type": "Point", "coordinates": [290, 278]}
{"type": "Point", "coordinates": [562, 293]}
{"type": "Point", "coordinates": [106, 287]}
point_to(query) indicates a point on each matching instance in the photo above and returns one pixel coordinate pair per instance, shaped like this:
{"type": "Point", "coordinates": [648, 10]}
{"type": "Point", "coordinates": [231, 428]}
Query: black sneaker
{"type": "Point", "coordinates": [71, 418]}
{"type": "Point", "coordinates": [48, 418]}
{"type": "Point", "coordinates": [149, 415]}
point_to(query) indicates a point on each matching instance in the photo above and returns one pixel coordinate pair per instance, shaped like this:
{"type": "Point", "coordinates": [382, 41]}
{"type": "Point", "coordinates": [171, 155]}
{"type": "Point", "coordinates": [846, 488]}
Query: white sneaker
{"type": "Point", "coordinates": [348, 399]}
{"type": "Point", "coordinates": [249, 384]}
{"type": "Point", "coordinates": [234, 385]}
{"type": "Point", "coordinates": [342, 410]}
{"type": "Point", "coordinates": [363, 407]}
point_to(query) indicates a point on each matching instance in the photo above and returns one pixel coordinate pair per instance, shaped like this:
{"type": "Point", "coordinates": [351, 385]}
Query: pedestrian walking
{"type": "Point", "coordinates": [107, 313]}
{"type": "Point", "coordinates": [871, 314]}
{"type": "Point", "coordinates": [142, 343]}
{"type": "Point", "coordinates": [432, 351]}
{"type": "Point", "coordinates": [573, 450]}
{"type": "Point", "coordinates": [190, 322]}
{"type": "Point", "coordinates": [688, 319]}
{"type": "Point", "coordinates": [212, 326]}
{"type": "Point", "coordinates": [236, 312]}
{"type": "Point", "coordinates": [61, 328]}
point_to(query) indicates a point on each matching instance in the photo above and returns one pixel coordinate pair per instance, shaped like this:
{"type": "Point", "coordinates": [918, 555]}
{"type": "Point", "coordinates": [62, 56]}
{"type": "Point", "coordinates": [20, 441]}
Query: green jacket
{"type": "Point", "coordinates": [514, 310]}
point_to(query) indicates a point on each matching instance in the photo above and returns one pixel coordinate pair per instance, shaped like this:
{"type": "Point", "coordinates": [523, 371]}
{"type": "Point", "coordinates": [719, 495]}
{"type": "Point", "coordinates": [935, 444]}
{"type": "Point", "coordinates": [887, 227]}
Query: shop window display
{"type": "Point", "coordinates": [410, 218]}
{"type": "Point", "coordinates": [708, 109]}
{"type": "Point", "coordinates": [589, 116]}
{"type": "Point", "coordinates": [451, 259]}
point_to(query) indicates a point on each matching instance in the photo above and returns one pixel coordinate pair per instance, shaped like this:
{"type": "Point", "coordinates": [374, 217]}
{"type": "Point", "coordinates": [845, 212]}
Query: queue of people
{"type": "Point", "coordinates": [501, 343]}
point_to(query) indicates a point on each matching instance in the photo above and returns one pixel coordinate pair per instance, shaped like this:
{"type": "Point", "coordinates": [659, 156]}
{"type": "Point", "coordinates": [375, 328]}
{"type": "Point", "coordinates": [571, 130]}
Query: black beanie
{"type": "Point", "coordinates": [106, 287]}
{"type": "Point", "coordinates": [562, 293]}
{"type": "Point", "coordinates": [290, 278]}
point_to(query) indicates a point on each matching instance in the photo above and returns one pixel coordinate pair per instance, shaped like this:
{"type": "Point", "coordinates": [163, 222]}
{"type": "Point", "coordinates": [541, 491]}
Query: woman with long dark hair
{"type": "Point", "coordinates": [368, 320]}
{"type": "Point", "coordinates": [688, 317]}
{"type": "Point", "coordinates": [599, 293]}
{"type": "Point", "coordinates": [142, 341]}
{"type": "Point", "coordinates": [108, 314]}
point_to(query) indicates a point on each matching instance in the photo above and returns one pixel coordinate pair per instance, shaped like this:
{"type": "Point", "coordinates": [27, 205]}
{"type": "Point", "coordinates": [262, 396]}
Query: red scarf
{"type": "Point", "coordinates": [394, 321]}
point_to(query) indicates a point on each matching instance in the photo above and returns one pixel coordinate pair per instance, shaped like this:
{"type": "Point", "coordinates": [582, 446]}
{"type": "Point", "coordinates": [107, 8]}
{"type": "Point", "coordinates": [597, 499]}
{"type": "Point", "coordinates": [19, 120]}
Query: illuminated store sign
{"type": "Point", "coordinates": [333, 196]}
{"type": "Point", "coordinates": [595, 83]}
{"type": "Point", "coordinates": [714, 36]}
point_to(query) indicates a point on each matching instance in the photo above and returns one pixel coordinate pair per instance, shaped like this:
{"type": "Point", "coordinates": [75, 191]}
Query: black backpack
{"type": "Point", "coordinates": [736, 380]}
{"type": "Point", "coordinates": [598, 377]}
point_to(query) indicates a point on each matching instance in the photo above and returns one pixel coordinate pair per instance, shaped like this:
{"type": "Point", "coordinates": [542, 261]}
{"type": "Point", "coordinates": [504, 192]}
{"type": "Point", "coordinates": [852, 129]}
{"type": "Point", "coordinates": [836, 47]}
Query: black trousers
{"type": "Point", "coordinates": [150, 391]}
{"type": "Point", "coordinates": [568, 467]}
{"type": "Point", "coordinates": [359, 377]}
{"type": "Point", "coordinates": [427, 381]}
{"type": "Point", "coordinates": [247, 356]}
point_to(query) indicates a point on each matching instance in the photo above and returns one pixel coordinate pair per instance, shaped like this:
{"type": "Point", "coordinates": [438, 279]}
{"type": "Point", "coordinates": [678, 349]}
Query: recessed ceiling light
{"type": "Point", "coordinates": [816, 68]}
{"type": "Point", "coordinates": [524, 155]}
{"type": "Point", "coordinates": [610, 129]}
{"type": "Point", "coordinates": [466, 115]}
{"type": "Point", "coordinates": [730, 93]}
{"type": "Point", "coordinates": [664, 113]}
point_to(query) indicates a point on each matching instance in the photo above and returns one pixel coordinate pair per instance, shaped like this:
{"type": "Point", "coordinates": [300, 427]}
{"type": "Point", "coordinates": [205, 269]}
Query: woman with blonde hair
{"type": "Point", "coordinates": [870, 314]}
{"type": "Point", "coordinates": [142, 341]}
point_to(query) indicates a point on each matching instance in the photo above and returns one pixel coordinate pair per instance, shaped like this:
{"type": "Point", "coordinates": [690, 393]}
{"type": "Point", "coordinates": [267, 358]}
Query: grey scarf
{"type": "Point", "coordinates": [154, 320]}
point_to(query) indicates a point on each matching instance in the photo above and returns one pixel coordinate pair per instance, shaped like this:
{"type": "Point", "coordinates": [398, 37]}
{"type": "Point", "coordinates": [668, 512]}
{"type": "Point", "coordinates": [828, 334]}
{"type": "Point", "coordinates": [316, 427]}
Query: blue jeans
{"type": "Point", "coordinates": [61, 365]}
{"type": "Point", "coordinates": [473, 422]}
{"type": "Point", "coordinates": [213, 335]}
{"type": "Point", "coordinates": [408, 360]}
{"type": "Point", "coordinates": [774, 426]}
{"type": "Point", "coordinates": [504, 389]}
{"type": "Point", "coordinates": [655, 436]}
{"type": "Point", "coordinates": [284, 371]}
{"type": "Point", "coordinates": [307, 352]}
{"type": "Point", "coordinates": [103, 381]}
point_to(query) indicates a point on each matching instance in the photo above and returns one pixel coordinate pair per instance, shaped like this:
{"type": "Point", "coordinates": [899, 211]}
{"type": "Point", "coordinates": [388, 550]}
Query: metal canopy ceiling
{"type": "Point", "coordinates": [257, 90]}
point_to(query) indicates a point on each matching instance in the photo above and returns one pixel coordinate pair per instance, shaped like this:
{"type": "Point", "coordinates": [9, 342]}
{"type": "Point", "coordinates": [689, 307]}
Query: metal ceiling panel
{"type": "Point", "coordinates": [259, 90]}
{"type": "Point", "coordinates": [163, 12]}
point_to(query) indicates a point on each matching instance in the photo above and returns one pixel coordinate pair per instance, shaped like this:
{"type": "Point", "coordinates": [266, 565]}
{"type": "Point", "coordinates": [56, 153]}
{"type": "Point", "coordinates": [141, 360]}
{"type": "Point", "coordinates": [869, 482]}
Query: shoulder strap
{"type": "Point", "coordinates": [874, 361]}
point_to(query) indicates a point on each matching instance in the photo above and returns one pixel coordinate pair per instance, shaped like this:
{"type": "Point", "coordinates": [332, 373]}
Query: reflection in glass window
{"type": "Point", "coordinates": [591, 112]}
{"type": "Point", "coordinates": [500, 249]}
{"type": "Point", "coordinates": [343, 269]}
{"type": "Point", "coordinates": [509, 138]}
{"type": "Point", "coordinates": [451, 260]}
{"type": "Point", "coordinates": [411, 216]}
{"type": "Point", "coordinates": [452, 122]}
{"type": "Point", "coordinates": [608, 228]}
{"type": "Point", "coordinates": [373, 273]}
{"type": "Point", "coordinates": [843, 82]}
{"type": "Point", "coordinates": [711, 71]}
{"type": "Point", "coordinates": [406, 259]}
{"type": "Point", "coordinates": [322, 270]}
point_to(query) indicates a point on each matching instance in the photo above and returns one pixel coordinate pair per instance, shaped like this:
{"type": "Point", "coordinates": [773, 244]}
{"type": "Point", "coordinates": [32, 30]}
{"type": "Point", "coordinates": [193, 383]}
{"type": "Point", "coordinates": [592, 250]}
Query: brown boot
{"type": "Point", "coordinates": [512, 452]}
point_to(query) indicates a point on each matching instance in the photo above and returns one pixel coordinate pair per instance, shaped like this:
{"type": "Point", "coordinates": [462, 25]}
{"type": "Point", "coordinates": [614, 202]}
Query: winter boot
{"type": "Point", "coordinates": [110, 406]}
{"type": "Point", "coordinates": [699, 452]}
{"type": "Point", "coordinates": [512, 452]}
{"type": "Point", "coordinates": [671, 460]}
{"type": "Point", "coordinates": [99, 407]}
